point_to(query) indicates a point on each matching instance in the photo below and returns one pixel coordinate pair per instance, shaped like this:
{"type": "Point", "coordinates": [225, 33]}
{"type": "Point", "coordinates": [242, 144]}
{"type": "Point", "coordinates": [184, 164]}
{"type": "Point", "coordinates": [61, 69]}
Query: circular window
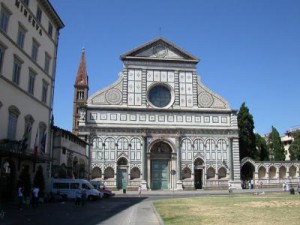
{"type": "Point", "coordinates": [159, 96]}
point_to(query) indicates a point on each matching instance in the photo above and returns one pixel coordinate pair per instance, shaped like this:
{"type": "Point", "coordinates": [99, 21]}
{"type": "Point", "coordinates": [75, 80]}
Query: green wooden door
{"type": "Point", "coordinates": [122, 179]}
{"type": "Point", "coordinates": [160, 174]}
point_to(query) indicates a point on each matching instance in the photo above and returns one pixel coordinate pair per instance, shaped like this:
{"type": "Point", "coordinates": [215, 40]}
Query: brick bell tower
{"type": "Point", "coordinates": [81, 89]}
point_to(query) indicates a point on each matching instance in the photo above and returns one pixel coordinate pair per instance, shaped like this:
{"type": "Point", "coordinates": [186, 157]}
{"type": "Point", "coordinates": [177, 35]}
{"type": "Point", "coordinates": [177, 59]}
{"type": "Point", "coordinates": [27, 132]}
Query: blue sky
{"type": "Point", "coordinates": [249, 50]}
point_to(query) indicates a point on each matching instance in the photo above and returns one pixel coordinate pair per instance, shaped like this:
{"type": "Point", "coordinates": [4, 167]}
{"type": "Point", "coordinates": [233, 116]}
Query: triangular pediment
{"type": "Point", "coordinates": [159, 49]}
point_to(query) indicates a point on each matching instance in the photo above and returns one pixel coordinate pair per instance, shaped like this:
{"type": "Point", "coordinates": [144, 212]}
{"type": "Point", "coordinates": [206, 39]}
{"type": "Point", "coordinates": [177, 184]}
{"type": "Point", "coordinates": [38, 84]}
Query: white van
{"type": "Point", "coordinates": [68, 187]}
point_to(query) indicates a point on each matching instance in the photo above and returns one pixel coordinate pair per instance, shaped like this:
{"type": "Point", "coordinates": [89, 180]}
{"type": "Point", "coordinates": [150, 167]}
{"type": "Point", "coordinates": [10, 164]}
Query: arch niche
{"type": "Point", "coordinates": [160, 166]}
{"type": "Point", "coordinates": [198, 172]}
{"type": "Point", "coordinates": [122, 173]}
{"type": "Point", "coordinates": [247, 171]}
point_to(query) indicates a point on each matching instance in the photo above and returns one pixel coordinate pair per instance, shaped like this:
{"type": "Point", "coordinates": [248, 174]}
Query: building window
{"type": "Point", "coordinates": [50, 29]}
{"type": "Point", "coordinates": [45, 92]}
{"type": "Point", "coordinates": [12, 122]}
{"type": "Point", "coordinates": [21, 36]}
{"type": "Point", "coordinates": [42, 136]}
{"type": "Point", "coordinates": [47, 62]}
{"type": "Point", "coordinates": [159, 96]}
{"type": "Point", "coordinates": [26, 2]}
{"type": "Point", "coordinates": [80, 95]}
{"type": "Point", "coordinates": [26, 140]}
{"type": "Point", "coordinates": [2, 50]}
{"type": "Point", "coordinates": [17, 71]}
{"type": "Point", "coordinates": [39, 14]}
{"type": "Point", "coordinates": [35, 50]}
{"type": "Point", "coordinates": [4, 18]}
{"type": "Point", "coordinates": [31, 81]}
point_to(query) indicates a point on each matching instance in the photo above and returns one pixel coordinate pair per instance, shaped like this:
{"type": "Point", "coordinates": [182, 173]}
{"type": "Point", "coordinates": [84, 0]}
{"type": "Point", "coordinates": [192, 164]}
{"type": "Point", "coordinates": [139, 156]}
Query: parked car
{"type": "Point", "coordinates": [68, 188]}
{"type": "Point", "coordinates": [102, 188]}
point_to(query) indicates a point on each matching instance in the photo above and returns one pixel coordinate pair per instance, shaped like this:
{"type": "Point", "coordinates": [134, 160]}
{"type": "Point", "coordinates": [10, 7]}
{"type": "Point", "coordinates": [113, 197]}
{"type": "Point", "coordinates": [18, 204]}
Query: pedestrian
{"type": "Point", "coordinates": [77, 196]}
{"type": "Point", "coordinates": [261, 185]}
{"type": "Point", "coordinates": [20, 197]}
{"type": "Point", "coordinates": [140, 190]}
{"type": "Point", "coordinates": [284, 186]}
{"type": "Point", "coordinates": [35, 196]}
{"type": "Point", "coordinates": [229, 188]}
{"type": "Point", "coordinates": [83, 196]}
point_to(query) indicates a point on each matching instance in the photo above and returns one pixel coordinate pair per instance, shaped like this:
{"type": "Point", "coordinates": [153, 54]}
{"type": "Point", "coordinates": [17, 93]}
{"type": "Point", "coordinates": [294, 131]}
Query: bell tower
{"type": "Point", "coordinates": [81, 89]}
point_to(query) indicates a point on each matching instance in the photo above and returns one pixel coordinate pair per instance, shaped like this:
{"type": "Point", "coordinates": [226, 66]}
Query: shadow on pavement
{"type": "Point", "coordinates": [94, 212]}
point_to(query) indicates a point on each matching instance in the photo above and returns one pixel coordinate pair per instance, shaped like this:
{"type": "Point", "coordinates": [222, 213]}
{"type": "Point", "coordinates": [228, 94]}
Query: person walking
{"type": "Point", "coordinates": [20, 197]}
{"type": "Point", "coordinates": [140, 190]}
{"type": "Point", "coordinates": [77, 196]}
{"type": "Point", "coordinates": [83, 196]}
{"type": "Point", "coordinates": [35, 197]}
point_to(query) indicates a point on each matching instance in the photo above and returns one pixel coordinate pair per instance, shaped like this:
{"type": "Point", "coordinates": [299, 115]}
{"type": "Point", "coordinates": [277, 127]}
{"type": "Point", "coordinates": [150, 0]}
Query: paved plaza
{"type": "Point", "coordinates": [122, 209]}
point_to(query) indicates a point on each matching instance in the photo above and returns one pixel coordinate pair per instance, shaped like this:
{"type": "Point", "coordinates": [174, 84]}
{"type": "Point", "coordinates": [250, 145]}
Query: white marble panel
{"type": "Point", "coordinates": [138, 87]}
{"type": "Point", "coordinates": [164, 77]}
{"type": "Point", "coordinates": [215, 119]}
{"type": "Point", "coordinates": [150, 75]}
{"type": "Point", "coordinates": [189, 156]}
{"type": "Point", "coordinates": [182, 77]}
{"type": "Point", "coordinates": [182, 88]}
{"type": "Point", "coordinates": [213, 155]}
{"type": "Point", "coordinates": [132, 155]}
{"type": "Point", "coordinates": [138, 75]}
{"type": "Point", "coordinates": [189, 89]}
{"type": "Point", "coordinates": [103, 116]}
{"type": "Point", "coordinates": [182, 101]}
{"type": "Point", "coordinates": [130, 74]}
{"type": "Point", "coordinates": [183, 156]}
{"type": "Point", "coordinates": [112, 155]}
{"type": "Point", "coordinates": [113, 116]}
{"type": "Point", "coordinates": [207, 155]}
{"type": "Point", "coordinates": [130, 99]}
{"type": "Point", "coordinates": [131, 86]}
{"type": "Point", "coordinates": [138, 99]}
{"type": "Point", "coordinates": [219, 155]}
{"type": "Point", "coordinates": [156, 75]}
{"type": "Point", "coordinates": [138, 156]}
{"type": "Point", "coordinates": [189, 99]}
{"type": "Point", "coordinates": [189, 77]}
{"type": "Point", "coordinates": [170, 76]}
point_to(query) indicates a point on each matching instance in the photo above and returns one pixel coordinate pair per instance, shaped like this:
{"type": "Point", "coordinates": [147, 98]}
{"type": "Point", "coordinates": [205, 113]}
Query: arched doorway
{"type": "Point", "coordinates": [198, 173]}
{"type": "Point", "coordinates": [160, 155]}
{"type": "Point", "coordinates": [247, 171]}
{"type": "Point", "coordinates": [122, 173]}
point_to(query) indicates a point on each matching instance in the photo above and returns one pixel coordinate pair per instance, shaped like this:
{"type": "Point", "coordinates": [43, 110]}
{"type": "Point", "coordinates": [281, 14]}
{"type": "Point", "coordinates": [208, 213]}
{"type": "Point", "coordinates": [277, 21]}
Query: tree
{"type": "Point", "coordinates": [262, 148]}
{"type": "Point", "coordinates": [39, 180]}
{"type": "Point", "coordinates": [295, 146]}
{"type": "Point", "coordinates": [25, 181]}
{"type": "Point", "coordinates": [275, 146]}
{"type": "Point", "coordinates": [246, 134]}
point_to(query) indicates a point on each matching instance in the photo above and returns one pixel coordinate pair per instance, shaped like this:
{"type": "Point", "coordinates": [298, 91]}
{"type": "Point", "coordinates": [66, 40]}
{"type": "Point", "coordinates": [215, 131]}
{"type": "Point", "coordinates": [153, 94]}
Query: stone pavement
{"type": "Point", "coordinates": [137, 211]}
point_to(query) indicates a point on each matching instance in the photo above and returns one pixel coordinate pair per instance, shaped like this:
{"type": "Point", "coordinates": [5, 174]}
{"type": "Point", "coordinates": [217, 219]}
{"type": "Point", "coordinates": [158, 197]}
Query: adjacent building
{"type": "Point", "coordinates": [29, 31]}
{"type": "Point", "coordinates": [69, 157]}
{"type": "Point", "coordinates": [158, 125]}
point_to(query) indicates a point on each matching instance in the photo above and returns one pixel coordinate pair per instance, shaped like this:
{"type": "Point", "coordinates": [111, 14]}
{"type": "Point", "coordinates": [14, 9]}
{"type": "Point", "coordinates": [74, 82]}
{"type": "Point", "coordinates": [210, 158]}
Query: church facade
{"type": "Point", "coordinates": [157, 125]}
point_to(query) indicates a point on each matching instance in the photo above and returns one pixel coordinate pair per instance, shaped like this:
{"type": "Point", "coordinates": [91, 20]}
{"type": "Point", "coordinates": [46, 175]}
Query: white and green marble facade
{"type": "Point", "coordinates": [195, 133]}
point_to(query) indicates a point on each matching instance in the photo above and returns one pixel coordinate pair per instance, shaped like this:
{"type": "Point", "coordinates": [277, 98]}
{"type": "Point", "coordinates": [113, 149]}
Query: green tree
{"type": "Point", "coordinates": [262, 148]}
{"type": "Point", "coordinates": [39, 180]}
{"type": "Point", "coordinates": [25, 181]}
{"type": "Point", "coordinates": [275, 146]}
{"type": "Point", "coordinates": [294, 148]}
{"type": "Point", "coordinates": [246, 134]}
